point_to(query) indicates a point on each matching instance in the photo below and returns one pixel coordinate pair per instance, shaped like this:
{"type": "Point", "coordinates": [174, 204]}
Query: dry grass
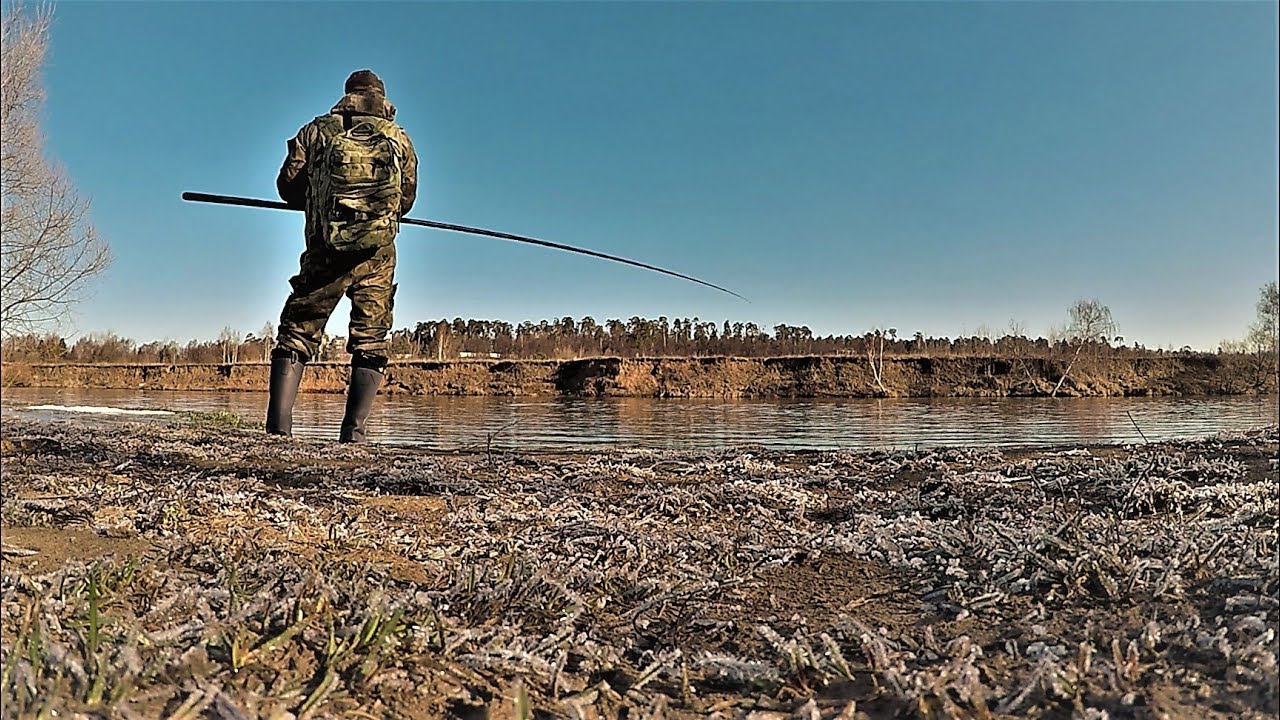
{"type": "Point", "coordinates": [234, 575]}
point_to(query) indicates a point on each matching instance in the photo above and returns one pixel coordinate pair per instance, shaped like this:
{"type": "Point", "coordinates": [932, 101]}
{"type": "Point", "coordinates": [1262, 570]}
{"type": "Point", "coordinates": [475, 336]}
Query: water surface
{"type": "Point", "coordinates": [529, 423]}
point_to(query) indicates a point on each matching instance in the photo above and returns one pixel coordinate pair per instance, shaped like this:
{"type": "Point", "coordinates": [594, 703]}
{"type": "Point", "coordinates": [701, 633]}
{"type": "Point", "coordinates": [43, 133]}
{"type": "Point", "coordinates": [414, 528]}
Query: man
{"type": "Point", "coordinates": [355, 173]}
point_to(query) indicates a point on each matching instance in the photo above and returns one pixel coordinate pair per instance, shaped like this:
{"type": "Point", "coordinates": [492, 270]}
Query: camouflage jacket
{"type": "Point", "coordinates": [292, 183]}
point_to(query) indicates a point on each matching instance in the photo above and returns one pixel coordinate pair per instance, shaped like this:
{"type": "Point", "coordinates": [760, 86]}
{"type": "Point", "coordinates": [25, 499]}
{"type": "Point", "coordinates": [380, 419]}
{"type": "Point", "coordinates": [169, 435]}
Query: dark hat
{"type": "Point", "coordinates": [364, 81]}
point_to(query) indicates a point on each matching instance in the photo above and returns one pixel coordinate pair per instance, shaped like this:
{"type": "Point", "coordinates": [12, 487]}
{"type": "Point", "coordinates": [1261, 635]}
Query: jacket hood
{"type": "Point", "coordinates": [366, 104]}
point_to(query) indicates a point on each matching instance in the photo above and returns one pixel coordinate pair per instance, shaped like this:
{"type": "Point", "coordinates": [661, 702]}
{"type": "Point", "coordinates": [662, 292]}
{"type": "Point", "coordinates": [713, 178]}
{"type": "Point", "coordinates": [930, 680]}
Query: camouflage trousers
{"type": "Point", "coordinates": [366, 277]}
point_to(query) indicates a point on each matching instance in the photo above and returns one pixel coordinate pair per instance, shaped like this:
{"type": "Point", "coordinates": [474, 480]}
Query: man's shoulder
{"type": "Point", "coordinates": [403, 135]}
{"type": "Point", "coordinates": [318, 125]}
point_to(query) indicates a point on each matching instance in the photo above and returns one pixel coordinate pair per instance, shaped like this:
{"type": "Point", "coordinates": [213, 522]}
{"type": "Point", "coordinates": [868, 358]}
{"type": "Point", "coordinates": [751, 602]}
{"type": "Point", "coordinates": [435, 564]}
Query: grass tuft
{"type": "Point", "coordinates": [215, 419]}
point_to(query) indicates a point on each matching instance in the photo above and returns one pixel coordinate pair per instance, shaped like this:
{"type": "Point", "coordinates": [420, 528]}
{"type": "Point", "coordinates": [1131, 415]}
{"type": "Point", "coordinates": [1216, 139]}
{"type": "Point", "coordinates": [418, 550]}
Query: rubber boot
{"type": "Point", "coordinates": [286, 374]}
{"type": "Point", "coordinates": [361, 390]}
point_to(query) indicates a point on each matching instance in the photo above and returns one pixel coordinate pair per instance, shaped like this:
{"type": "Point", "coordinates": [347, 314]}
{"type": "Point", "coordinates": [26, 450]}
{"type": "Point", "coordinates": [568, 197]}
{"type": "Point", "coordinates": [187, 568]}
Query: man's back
{"type": "Point", "coordinates": [355, 172]}
{"type": "Point", "coordinates": [293, 181]}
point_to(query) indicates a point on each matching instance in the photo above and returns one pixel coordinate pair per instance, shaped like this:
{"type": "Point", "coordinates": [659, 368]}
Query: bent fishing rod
{"type": "Point", "coordinates": [274, 205]}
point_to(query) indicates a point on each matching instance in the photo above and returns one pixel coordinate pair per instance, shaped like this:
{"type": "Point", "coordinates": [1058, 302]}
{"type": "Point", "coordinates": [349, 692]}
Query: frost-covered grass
{"type": "Point", "coordinates": [288, 578]}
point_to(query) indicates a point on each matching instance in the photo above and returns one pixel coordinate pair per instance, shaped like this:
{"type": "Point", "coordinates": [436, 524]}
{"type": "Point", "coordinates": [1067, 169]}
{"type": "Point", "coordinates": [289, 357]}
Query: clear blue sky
{"type": "Point", "coordinates": [929, 167]}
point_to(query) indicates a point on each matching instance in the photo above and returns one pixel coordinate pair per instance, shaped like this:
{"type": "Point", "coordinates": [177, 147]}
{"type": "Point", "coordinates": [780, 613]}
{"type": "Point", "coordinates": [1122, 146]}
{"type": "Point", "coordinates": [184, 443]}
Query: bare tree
{"type": "Point", "coordinates": [444, 340]}
{"type": "Point", "coordinates": [1091, 324]}
{"type": "Point", "coordinates": [229, 341]}
{"type": "Point", "coordinates": [875, 356]}
{"type": "Point", "coordinates": [48, 249]}
{"type": "Point", "coordinates": [1264, 334]}
{"type": "Point", "coordinates": [268, 340]}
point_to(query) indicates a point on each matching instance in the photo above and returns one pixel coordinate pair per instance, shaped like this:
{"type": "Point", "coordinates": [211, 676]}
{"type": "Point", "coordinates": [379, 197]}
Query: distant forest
{"type": "Point", "coordinates": [569, 338]}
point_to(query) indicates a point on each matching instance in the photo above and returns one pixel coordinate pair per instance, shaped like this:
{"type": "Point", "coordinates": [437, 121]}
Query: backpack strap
{"type": "Point", "coordinates": [330, 126]}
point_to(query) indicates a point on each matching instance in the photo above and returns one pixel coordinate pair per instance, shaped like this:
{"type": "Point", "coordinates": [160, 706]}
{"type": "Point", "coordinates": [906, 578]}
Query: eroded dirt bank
{"type": "Point", "coordinates": [167, 570]}
{"type": "Point", "coordinates": [717, 377]}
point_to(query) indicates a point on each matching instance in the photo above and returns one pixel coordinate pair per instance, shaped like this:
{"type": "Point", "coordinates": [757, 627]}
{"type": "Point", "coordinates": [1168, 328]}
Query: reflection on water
{"type": "Point", "coordinates": [453, 422]}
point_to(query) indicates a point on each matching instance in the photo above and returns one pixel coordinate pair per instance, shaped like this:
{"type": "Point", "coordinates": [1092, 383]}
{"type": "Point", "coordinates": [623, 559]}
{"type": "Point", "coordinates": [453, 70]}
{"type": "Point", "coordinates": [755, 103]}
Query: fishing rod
{"type": "Point", "coordinates": [274, 205]}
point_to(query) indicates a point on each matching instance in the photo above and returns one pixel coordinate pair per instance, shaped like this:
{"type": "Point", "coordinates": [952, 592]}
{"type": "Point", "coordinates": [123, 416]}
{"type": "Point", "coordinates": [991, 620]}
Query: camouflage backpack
{"type": "Point", "coordinates": [355, 183]}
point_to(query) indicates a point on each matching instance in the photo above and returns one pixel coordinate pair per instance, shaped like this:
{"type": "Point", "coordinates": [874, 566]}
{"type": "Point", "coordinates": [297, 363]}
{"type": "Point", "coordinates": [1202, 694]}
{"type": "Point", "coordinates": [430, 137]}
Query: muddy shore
{"type": "Point", "coordinates": [714, 377]}
{"type": "Point", "coordinates": [174, 570]}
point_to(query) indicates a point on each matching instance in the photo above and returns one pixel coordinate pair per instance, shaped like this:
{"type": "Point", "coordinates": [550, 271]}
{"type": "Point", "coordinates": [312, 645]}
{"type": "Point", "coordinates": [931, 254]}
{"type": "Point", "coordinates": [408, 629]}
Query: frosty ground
{"type": "Point", "coordinates": [193, 570]}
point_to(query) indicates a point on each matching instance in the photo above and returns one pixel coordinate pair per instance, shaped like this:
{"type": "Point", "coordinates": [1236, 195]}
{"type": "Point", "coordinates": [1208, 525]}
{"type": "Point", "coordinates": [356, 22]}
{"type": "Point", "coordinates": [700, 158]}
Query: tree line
{"type": "Point", "coordinates": [565, 338]}
{"type": "Point", "coordinates": [1089, 329]}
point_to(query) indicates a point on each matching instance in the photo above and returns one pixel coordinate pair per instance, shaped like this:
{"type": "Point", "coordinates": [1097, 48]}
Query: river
{"type": "Point", "coordinates": [561, 423]}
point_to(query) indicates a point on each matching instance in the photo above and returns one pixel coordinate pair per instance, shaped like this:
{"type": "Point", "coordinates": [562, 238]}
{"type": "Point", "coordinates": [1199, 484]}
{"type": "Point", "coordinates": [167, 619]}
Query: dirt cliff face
{"type": "Point", "coordinates": [713, 377]}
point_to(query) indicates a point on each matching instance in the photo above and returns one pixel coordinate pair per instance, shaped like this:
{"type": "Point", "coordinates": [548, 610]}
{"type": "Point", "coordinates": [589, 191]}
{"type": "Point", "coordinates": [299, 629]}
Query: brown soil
{"type": "Point", "coordinates": [55, 547]}
{"type": "Point", "coordinates": [713, 377]}
{"type": "Point", "coordinates": [818, 592]}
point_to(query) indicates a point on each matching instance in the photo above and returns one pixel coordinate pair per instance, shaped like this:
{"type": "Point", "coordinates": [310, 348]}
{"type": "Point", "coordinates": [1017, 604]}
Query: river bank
{"type": "Point", "coordinates": [164, 568]}
{"type": "Point", "coordinates": [715, 377]}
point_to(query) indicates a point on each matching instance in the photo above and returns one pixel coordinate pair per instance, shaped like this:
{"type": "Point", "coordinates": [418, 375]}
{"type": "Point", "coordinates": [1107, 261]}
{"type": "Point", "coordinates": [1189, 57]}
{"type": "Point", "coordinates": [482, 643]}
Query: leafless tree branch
{"type": "Point", "coordinates": [49, 251]}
